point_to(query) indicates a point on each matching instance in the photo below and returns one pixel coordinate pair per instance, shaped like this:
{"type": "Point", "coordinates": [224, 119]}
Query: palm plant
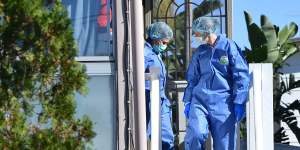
{"type": "Point", "coordinates": [285, 112]}
{"type": "Point", "coordinates": [269, 44]}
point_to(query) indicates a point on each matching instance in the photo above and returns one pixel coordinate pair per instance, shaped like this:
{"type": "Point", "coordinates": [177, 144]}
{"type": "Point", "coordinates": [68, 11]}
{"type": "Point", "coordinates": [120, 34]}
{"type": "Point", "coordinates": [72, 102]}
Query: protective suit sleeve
{"type": "Point", "coordinates": [187, 107]}
{"type": "Point", "coordinates": [192, 77]}
{"type": "Point", "coordinates": [239, 111]}
{"type": "Point", "coordinates": [240, 74]}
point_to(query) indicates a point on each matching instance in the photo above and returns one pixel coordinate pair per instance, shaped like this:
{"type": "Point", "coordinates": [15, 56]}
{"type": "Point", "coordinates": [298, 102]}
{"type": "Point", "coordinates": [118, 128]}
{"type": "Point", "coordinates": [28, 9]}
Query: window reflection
{"type": "Point", "coordinates": [91, 21]}
{"type": "Point", "coordinates": [99, 106]}
{"type": "Point", "coordinates": [173, 12]}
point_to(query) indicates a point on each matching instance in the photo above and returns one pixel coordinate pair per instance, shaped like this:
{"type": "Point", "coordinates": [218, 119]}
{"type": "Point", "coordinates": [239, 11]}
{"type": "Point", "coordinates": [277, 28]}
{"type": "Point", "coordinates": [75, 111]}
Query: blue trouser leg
{"type": "Point", "coordinates": [221, 124]}
{"type": "Point", "coordinates": [166, 126]}
{"type": "Point", "coordinates": [223, 128]}
{"type": "Point", "coordinates": [197, 128]}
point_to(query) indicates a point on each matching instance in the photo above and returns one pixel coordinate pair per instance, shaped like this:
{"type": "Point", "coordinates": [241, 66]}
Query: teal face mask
{"type": "Point", "coordinates": [159, 48]}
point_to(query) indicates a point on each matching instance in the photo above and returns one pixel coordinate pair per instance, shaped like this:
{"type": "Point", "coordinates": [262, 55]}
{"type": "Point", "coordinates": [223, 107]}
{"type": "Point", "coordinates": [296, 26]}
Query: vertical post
{"type": "Point", "coordinates": [138, 74]}
{"type": "Point", "coordinates": [155, 102]}
{"type": "Point", "coordinates": [250, 114]}
{"type": "Point", "coordinates": [229, 19]}
{"type": "Point", "coordinates": [188, 24]}
{"type": "Point", "coordinates": [178, 87]}
{"type": "Point", "coordinates": [257, 84]}
{"type": "Point", "coordinates": [118, 46]}
{"type": "Point", "coordinates": [238, 141]}
{"type": "Point", "coordinates": [267, 109]}
{"type": "Point", "coordinates": [155, 115]}
{"type": "Point", "coordinates": [260, 108]}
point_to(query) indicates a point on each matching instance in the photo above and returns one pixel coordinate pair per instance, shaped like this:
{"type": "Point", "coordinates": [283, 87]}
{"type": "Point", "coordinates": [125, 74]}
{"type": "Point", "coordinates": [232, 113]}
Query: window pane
{"type": "Point", "coordinates": [173, 13]}
{"type": "Point", "coordinates": [99, 106]}
{"type": "Point", "coordinates": [91, 22]}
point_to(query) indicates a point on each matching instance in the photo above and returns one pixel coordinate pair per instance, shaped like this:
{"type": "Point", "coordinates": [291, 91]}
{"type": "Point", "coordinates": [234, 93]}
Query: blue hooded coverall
{"type": "Point", "coordinates": [218, 78]}
{"type": "Point", "coordinates": [153, 59]}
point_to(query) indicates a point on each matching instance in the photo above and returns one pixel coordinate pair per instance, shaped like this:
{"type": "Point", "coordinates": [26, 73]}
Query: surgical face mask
{"type": "Point", "coordinates": [159, 48]}
{"type": "Point", "coordinates": [197, 41]}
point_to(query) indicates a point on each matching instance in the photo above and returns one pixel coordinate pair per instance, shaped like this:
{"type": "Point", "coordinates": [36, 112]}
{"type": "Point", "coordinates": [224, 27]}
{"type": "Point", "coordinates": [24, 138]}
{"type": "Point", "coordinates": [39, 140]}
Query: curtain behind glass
{"type": "Point", "coordinates": [91, 20]}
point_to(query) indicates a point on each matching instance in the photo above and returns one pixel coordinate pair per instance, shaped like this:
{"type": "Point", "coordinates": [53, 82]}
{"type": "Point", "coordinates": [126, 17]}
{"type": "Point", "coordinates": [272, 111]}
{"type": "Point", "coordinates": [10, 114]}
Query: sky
{"type": "Point", "coordinates": [279, 12]}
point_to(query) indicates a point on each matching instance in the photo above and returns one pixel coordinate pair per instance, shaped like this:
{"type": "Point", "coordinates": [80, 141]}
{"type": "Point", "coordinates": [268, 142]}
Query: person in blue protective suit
{"type": "Point", "coordinates": [218, 80]}
{"type": "Point", "coordinates": [159, 35]}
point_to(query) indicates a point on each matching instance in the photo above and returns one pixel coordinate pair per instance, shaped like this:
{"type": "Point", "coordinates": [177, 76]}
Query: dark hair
{"type": "Point", "coordinates": [149, 40]}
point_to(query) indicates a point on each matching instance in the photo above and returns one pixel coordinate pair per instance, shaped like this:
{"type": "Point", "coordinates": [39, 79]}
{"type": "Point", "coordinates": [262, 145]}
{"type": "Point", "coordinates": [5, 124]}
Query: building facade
{"type": "Point", "coordinates": [102, 30]}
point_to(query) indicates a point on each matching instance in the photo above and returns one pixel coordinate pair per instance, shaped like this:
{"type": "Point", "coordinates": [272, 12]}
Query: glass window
{"type": "Point", "coordinates": [173, 13]}
{"type": "Point", "coordinates": [99, 106]}
{"type": "Point", "coordinates": [91, 21]}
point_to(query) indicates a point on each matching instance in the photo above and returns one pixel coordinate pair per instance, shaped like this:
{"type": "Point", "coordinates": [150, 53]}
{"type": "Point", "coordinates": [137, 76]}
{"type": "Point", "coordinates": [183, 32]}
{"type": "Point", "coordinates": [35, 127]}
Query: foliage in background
{"type": "Point", "coordinates": [285, 112]}
{"type": "Point", "coordinates": [39, 77]}
{"type": "Point", "coordinates": [269, 44]}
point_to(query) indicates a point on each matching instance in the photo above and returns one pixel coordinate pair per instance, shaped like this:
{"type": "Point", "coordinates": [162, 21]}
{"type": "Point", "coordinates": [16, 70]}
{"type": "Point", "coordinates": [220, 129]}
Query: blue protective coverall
{"type": "Point", "coordinates": [218, 78]}
{"type": "Point", "coordinates": [153, 59]}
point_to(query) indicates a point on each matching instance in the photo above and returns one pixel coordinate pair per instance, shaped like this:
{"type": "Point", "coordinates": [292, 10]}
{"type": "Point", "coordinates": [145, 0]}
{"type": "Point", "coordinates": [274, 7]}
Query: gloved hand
{"type": "Point", "coordinates": [239, 110]}
{"type": "Point", "coordinates": [187, 109]}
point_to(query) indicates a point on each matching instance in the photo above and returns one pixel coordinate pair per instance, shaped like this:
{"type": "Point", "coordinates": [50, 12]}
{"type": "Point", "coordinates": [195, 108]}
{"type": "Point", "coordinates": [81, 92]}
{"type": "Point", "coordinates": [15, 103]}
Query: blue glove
{"type": "Point", "coordinates": [239, 111]}
{"type": "Point", "coordinates": [187, 109]}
